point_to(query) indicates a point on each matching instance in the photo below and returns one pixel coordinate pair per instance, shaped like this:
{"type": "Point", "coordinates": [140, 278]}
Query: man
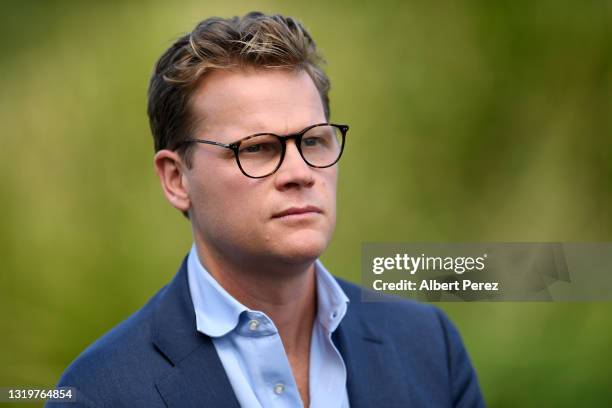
{"type": "Point", "coordinates": [239, 112]}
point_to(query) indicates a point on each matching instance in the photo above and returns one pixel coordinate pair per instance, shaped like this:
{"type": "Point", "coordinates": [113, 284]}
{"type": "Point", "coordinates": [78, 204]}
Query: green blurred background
{"type": "Point", "coordinates": [470, 121]}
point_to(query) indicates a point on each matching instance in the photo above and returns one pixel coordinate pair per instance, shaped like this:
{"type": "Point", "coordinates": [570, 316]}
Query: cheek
{"type": "Point", "coordinates": [330, 183]}
{"type": "Point", "coordinates": [228, 199]}
{"type": "Point", "coordinates": [328, 192]}
{"type": "Point", "coordinates": [225, 214]}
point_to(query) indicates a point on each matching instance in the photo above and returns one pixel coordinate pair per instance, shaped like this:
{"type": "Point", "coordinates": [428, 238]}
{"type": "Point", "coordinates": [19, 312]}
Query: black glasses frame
{"type": "Point", "coordinates": [235, 146]}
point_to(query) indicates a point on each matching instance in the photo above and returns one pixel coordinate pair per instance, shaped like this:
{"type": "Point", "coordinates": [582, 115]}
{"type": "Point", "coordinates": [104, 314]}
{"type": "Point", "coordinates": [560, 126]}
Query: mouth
{"type": "Point", "coordinates": [298, 212]}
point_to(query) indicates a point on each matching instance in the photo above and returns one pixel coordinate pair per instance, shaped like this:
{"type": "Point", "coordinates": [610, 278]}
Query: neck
{"type": "Point", "coordinates": [281, 291]}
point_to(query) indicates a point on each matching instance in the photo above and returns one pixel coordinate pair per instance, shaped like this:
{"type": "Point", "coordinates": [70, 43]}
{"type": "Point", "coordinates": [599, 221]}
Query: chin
{"type": "Point", "coordinates": [303, 248]}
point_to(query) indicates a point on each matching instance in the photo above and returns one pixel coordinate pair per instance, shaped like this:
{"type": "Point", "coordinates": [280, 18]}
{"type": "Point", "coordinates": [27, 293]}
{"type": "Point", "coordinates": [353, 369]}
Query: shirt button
{"type": "Point", "coordinates": [279, 388]}
{"type": "Point", "coordinates": [253, 325]}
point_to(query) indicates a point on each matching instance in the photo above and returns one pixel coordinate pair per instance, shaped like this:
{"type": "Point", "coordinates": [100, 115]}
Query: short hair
{"type": "Point", "coordinates": [256, 40]}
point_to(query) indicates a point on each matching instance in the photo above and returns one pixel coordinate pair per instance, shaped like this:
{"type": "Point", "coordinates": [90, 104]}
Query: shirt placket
{"type": "Point", "coordinates": [267, 364]}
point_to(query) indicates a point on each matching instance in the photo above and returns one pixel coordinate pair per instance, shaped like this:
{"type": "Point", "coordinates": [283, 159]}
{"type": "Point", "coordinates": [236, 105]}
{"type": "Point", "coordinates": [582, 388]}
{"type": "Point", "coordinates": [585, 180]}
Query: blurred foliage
{"type": "Point", "coordinates": [470, 121]}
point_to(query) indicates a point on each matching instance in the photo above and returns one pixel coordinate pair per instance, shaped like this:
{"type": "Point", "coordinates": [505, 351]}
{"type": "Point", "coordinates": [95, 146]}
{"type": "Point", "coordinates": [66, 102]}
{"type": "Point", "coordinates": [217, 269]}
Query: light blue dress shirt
{"type": "Point", "coordinates": [251, 350]}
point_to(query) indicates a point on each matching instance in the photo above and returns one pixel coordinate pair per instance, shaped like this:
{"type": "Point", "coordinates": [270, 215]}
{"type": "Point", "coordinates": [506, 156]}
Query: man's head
{"type": "Point", "coordinates": [227, 80]}
{"type": "Point", "coordinates": [254, 41]}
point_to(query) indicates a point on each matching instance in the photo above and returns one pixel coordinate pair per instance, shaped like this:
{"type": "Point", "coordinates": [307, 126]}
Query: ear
{"type": "Point", "coordinates": [170, 170]}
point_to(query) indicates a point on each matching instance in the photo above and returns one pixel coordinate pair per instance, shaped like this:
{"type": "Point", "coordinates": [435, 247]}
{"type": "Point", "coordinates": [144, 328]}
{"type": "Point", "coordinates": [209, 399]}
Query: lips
{"type": "Point", "coordinates": [297, 211]}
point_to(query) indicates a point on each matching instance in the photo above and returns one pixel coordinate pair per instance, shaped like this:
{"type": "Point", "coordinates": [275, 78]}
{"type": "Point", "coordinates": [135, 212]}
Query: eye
{"type": "Point", "coordinates": [251, 148]}
{"type": "Point", "coordinates": [264, 147]}
{"type": "Point", "coordinates": [311, 141]}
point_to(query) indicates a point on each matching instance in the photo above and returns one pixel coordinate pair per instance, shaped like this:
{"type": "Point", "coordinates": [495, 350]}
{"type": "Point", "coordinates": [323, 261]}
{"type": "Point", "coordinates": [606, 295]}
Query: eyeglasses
{"type": "Point", "coordinates": [261, 154]}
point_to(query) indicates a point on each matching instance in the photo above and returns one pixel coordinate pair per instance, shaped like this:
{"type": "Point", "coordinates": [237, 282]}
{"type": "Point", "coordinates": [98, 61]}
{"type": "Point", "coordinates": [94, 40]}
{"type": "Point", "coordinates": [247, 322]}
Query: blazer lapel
{"type": "Point", "coordinates": [374, 376]}
{"type": "Point", "coordinates": [197, 377]}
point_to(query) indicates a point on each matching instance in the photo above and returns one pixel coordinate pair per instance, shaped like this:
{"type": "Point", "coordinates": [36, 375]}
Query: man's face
{"type": "Point", "coordinates": [237, 216]}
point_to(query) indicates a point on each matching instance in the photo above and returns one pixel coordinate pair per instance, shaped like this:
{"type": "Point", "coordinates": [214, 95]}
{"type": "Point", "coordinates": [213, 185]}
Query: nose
{"type": "Point", "coordinates": [293, 172]}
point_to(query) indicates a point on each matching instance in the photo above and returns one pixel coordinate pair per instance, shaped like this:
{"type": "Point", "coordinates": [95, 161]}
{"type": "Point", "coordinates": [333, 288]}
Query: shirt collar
{"type": "Point", "coordinates": [332, 302]}
{"type": "Point", "coordinates": [217, 312]}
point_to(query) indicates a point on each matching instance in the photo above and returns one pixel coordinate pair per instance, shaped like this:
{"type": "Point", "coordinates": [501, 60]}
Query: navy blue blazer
{"type": "Point", "coordinates": [397, 354]}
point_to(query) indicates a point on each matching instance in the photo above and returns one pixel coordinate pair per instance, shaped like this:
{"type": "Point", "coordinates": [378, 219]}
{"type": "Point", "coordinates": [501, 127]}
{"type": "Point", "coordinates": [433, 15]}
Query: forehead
{"type": "Point", "coordinates": [234, 103]}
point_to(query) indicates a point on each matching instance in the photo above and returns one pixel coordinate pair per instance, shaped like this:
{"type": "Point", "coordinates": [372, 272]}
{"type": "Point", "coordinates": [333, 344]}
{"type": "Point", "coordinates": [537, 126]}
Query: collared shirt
{"type": "Point", "coordinates": [252, 353]}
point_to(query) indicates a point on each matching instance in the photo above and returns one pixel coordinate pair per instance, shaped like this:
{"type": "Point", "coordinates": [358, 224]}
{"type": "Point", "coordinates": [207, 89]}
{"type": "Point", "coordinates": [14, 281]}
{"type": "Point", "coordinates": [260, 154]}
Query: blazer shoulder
{"type": "Point", "coordinates": [410, 326]}
{"type": "Point", "coordinates": [124, 355]}
{"type": "Point", "coordinates": [421, 336]}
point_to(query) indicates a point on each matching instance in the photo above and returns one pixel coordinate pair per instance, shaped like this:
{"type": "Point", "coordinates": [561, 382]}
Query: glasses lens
{"type": "Point", "coordinates": [322, 145]}
{"type": "Point", "coordinates": [259, 155]}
